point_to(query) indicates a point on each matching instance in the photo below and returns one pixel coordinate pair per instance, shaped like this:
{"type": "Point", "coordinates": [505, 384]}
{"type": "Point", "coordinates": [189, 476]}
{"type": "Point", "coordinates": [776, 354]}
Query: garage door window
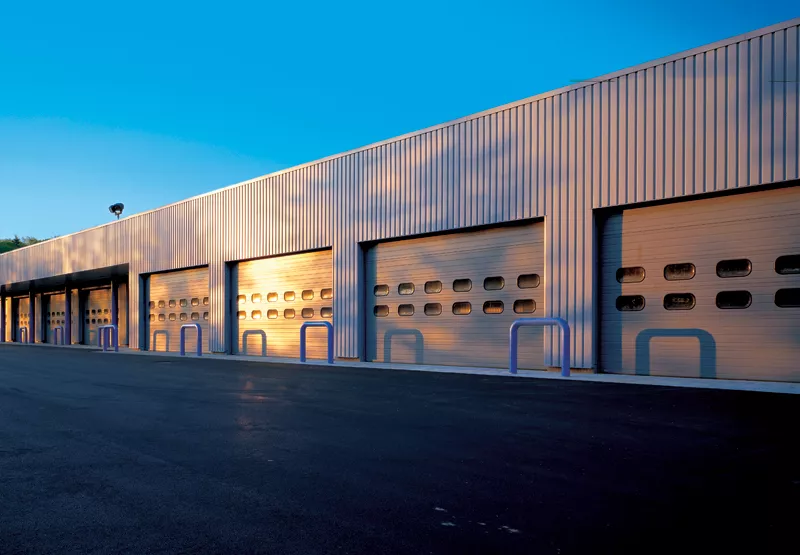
{"type": "Point", "coordinates": [288, 313]}
{"type": "Point", "coordinates": [288, 296]}
{"type": "Point", "coordinates": [195, 316]}
{"type": "Point", "coordinates": [184, 302]}
{"type": "Point", "coordinates": [162, 304]}
{"type": "Point", "coordinates": [272, 314]}
{"type": "Point", "coordinates": [184, 317]}
{"type": "Point", "coordinates": [528, 281]}
{"type": "Point", "coordinates": [308, 295]}
{"type": "Point", "coordinates": [632, 274]}
{"type": "Point", "coordinates": [789, 264]}
{"type": "Point", "coordinates": [788, 298]}
{"type": "Point", "coordinates": [494, 283]}
{"type": "Point", "coordinates": [195, 301]}
{"type": "Point", "coordinates": [462, 286]}
{"type": "Point", "coordinates": [406, 288]}
{"type": "Point", "coordinates": [172, 317]}
{"type": "Point", "coordinates": [307, 313]}
{"type": "Point", "coordinates": [255, 298]}
{"type": "Point", "coordinates": [205, 315]}
{"type": "Point", "coordinates": [205, 301]}
{"type": "Point", "coordinates": [255, 315]}
{"type": "Point", "coordinates": [162, 318]}
{"type": "Point", "coordinates": [493, 307]}
{"type": "Point", "coordinates": [381, 290]}
{"type": "Point", "coordinates": [679, 272]}
{"type": "Point", "coordinates": [433, 287]}
{"type": "Point", "coordinates": [381, 310]}
{"type": "Point", "coordinates": [433, 309]}
{"type": "Point", "coordinates": [740, 267]}
{"type": "Point", "coordinates": [734, 299]}
{"type": "Point", "coordinates": [405, 310]}
{"type": "Point", "coordinates": [679, 301]}
{"type": "Point", "coordinates": [172, 303]}
{"type": "Point", "coordinates": [326, 312]}
{"type": "Point", "coordinates": [630, 303]}
{"type": "Point", "coordinates": [241, 315]}
{"type": "Point", "coordinates": [462, 309]}
{"type": "Point", "coordinates": [326, 293]}
{"type": "Point", "coordinates": [272, 297]}
{"type": "Point", "coordinates": [524, 306]}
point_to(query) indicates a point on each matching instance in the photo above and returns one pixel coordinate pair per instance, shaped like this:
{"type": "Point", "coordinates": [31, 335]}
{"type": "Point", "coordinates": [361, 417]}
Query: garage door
{"type": "Point", "coordinates": [22, 315]}
{"type": "Point", "coordinates": [451, 299]}
{"type": "Point", "coordinates": [175, 299]}
{"type": "Point", "coordinates": [707, 288]}
{"type": "Point", "coordinates": [277, 295]}
{"type": "Point", "coordinates": [97, 312]}
{"type": "Point", "coordinates": [55, 316]}
{"type": "Point", "coordinates": [7, 315]}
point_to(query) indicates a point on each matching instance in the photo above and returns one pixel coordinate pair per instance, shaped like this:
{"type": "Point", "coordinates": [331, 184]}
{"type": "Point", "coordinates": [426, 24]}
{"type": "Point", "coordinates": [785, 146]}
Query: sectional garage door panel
{"type": "Point", "coordinates": [97, 312]}
{"type": "Point", "coordinates": [7, 316]}
{"type": "Point", "coordinates": [277, 295]}
{"type": "Point", "coordinates": [23, 318]}
{"type": "Point", "coordinates": [718, 288]}
{"type": "Point", "coordinates": [175, 299]}
{"type": "Point", "coordinates": [450, 299]}
{"type": "Point", "coordinates": [55, 315]}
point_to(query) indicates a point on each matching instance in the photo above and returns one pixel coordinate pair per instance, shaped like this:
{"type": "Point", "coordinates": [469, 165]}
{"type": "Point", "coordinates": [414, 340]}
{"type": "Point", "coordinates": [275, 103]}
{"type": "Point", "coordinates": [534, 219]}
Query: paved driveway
{"type": "Point", "coordinates": [105, 453]}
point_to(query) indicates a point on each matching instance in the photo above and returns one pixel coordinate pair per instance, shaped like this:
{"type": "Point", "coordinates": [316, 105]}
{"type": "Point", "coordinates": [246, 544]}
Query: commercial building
{"type": "Point", "coordinates": [656, 209]}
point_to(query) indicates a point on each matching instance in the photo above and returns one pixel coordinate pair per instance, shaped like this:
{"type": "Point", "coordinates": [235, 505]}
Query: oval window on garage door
{"type": "Point", "coordinates": [524, 306]}
{"type": "Point", "coordinates": [788, 264]}
{"type": "Point", "coordinates": [630, 274]}
{"type": "Point", "coordinates": [679, 301]}
{"type": "Point", "coordinates": [380, 310]}
{"type": "Point", "coordinates": [462, 285]}
{"type": "Point", "coordinates": [405, 310]}
{"type": "Point", "coordinates": [739, 267]}
{"type": "Point", "coordinates": [679, 272]}
{"type": "Point", "coordinates": [630, 303]}
{"type": "Point", "coordinates": [734, 299]}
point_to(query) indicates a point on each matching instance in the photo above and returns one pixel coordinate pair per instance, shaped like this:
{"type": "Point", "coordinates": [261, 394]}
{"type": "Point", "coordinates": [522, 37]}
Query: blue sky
{"type": "Point", "coordinates": [150, 102]}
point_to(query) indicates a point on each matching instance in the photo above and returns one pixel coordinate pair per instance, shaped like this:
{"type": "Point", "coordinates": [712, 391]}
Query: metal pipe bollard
{"type": "Point", "coordinates": [262, 334]}
{"type": "Point", "coordinates": [199, 338]}
{"type": "Point", "coordinates": [303, 339]}
{"type": "Point", "coordinates": [513, 340]}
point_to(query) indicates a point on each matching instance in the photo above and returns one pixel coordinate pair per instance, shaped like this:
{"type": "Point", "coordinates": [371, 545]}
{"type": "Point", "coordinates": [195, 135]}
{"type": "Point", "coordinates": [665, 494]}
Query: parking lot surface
{"type": "Point", "coordinates": [105, 453]}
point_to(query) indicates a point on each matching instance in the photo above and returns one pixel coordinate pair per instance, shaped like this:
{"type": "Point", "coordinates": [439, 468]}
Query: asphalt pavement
{"type": "Point", "coordinates": [115, 453]}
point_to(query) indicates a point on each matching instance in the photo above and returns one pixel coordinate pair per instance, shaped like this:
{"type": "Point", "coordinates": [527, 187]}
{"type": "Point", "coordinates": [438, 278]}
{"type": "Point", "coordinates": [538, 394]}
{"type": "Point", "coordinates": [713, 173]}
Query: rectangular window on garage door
{"type": "Point", "coordinates": [174, 299]}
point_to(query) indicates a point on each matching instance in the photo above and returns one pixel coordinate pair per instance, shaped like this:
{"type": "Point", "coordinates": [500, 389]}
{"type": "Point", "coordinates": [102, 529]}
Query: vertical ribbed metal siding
{"type": "Point", "coordinates": [719, 118]}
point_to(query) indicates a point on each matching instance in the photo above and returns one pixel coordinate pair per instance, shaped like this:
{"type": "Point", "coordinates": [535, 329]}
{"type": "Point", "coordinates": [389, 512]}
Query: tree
{"type": "Point", "coordinates": [16, 242]}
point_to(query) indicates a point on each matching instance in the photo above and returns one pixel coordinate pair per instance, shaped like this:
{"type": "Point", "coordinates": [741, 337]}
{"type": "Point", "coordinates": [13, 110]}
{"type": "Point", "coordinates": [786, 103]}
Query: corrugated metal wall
{"type": "Point", "coordinates": [715, 118]}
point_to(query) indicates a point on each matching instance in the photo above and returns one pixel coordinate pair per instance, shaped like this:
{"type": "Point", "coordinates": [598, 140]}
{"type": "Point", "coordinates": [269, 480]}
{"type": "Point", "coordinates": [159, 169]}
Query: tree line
{"type": "Point", "coordinates": [17, 242]}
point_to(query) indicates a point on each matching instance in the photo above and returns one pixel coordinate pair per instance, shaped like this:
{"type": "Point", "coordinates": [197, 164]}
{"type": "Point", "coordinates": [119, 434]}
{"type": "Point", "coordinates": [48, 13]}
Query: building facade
{"type": "Point", "coordinates": [656, 209]}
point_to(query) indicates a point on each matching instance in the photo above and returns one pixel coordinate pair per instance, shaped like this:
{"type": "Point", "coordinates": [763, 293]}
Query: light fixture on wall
{"type": "Point", "coordinates": [116, 209]}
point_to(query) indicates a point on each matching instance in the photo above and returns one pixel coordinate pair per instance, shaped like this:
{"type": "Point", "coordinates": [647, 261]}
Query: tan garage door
{"type": "Point", "coordinates": [97, 312]}
{"type": "Point", "coordinates": [705, 288]}
{"type": "Point", "coordinates": [174, 299]}
{"type": "Point", "coordinates": [55, 317]}
{"type": "Point", "coordinates": [277, 295]}
{"type": "Point", "coordinates": [7, 315]}
{"type": "Point", "coordinates": [451, 299]}
{"type": "Point", "coordinates": [22, 313]}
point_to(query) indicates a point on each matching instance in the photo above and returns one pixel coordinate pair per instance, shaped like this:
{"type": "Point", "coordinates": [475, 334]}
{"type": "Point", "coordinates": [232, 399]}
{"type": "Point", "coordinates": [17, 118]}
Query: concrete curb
{"type": "Point", "coordinates": [664, 381]}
